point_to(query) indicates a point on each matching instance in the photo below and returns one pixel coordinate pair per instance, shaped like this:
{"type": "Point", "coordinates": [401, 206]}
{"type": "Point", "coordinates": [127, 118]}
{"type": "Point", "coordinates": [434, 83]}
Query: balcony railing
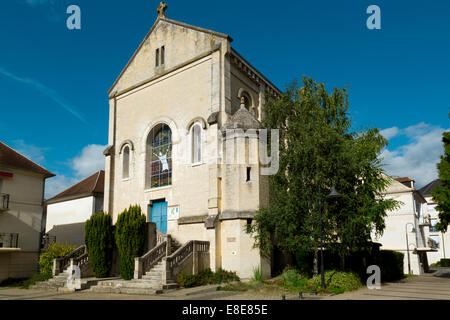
{"type": "Point", "coordinates": [9, 240]}
{"type": "Point", "coordinates": [4, 201]}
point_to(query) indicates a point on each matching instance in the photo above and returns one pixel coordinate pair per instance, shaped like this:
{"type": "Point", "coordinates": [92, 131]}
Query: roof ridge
{"type": "Point", "coordinates": [148, 34]}
{"type": "Point", "coordinates": [96, 180]}
{"type": "Point", "coordinates": [20, 154]}
{"type": "Point", "coordinates": [76, 184]}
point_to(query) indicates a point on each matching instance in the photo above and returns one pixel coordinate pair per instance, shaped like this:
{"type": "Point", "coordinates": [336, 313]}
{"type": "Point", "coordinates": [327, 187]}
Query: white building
{"type": "Point", "coordinates": [442, 239]}
{"type": "Point", "coordinates": [406, 228]}
{"type": "Point", "coordinates": [22, 184]}
{"type": "Point", "coordinates": [68, 211]}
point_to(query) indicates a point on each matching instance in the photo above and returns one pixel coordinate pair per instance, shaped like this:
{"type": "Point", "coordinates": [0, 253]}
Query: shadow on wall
{"type": "Point", "coordinates": [72, 233]}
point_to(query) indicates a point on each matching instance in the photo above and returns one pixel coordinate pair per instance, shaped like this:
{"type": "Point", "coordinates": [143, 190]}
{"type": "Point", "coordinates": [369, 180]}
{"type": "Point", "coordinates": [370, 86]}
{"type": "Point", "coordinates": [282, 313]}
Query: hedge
{"type": "Point", "coordinates": [445, 262]}
{"type": "Point", "coordinates": [130, 239]}
{"type": "Point", "coordinates": [390, 262]}
{"type": "Point", "coordinates": [99, 240]}
{"type": "Point", "coordinates": [391, 265]}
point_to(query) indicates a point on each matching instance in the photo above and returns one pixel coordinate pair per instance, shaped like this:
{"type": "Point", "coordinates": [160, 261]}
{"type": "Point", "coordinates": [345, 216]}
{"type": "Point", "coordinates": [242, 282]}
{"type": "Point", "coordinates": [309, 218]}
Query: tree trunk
{"type": "Point", "coordinates": [343, 262]}
{"type": "Point", "coordinates": [316, 262]}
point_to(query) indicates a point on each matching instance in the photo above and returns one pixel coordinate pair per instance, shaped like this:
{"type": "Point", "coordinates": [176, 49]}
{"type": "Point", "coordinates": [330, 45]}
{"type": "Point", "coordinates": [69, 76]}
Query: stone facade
{"type": "Point", "coordinates": [182, 77]}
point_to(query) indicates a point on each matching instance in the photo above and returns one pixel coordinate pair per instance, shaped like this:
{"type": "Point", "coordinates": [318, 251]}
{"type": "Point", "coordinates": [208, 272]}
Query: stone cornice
{"type": "Point", "coordinates": [246, 68]}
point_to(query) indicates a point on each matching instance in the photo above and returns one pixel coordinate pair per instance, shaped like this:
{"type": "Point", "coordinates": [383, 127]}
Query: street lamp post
{"type": "Point", "coordinates": [407, 244]}
{"type": "Point", "coordinates": [333, 194]}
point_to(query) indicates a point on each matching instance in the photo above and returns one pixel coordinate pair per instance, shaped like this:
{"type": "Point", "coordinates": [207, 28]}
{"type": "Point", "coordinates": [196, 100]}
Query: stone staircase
{"type": "Point", "coordinates": [59, 283]}
{"type": "Point", "coordinates": [150, 279]}
{"type": "Point", "coordinates": [61, 272]}
{"type": "Point", "coordinates": [151, 282]}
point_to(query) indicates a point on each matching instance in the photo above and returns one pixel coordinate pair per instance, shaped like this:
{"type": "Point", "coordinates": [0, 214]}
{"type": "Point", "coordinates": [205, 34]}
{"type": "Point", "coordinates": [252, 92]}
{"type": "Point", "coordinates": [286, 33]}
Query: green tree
{"type": "Point", "coordinates": [99, 240]}
{"type": "Point", "coordinates": [130, 238]}
{"type": "Point", "coordinates": [318, 149]}
{"type": "Point", "coordinates": [441, 194]}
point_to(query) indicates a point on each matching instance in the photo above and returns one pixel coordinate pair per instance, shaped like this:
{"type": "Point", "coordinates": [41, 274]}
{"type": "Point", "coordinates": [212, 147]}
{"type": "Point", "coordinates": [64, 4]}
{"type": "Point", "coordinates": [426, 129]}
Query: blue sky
{"type": "Point", "coordinates": [53, 81]}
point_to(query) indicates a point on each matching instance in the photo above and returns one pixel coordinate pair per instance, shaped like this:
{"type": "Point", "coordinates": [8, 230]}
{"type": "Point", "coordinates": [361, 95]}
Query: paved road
{"type": "Point", "coordinates": [431, 286]}
{"type": "Point", "coordinates": [427, 287]}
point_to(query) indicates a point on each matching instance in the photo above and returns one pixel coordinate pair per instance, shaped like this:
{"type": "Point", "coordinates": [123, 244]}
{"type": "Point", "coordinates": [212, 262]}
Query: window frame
{"type": "Point", "coordinates": [128, 155]}
{"type": "Point", "coordinates": [150, 172]}
{"type": "Point", "coordinates": [200, 144]}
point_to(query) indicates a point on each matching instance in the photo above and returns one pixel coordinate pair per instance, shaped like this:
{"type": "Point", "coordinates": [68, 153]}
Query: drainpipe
{"type": "Point", "coordinates": [41, 232]}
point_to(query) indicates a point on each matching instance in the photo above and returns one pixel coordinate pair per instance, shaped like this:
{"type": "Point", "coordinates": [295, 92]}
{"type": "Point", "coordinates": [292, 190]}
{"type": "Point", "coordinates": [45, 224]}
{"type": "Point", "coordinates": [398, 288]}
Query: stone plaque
{"type": "Point", "coordinates": [231, 239]}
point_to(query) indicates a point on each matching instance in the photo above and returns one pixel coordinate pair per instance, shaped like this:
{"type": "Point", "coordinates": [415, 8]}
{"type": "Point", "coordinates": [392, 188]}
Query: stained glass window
{"type": "Point", "coordinates": [160, 156]}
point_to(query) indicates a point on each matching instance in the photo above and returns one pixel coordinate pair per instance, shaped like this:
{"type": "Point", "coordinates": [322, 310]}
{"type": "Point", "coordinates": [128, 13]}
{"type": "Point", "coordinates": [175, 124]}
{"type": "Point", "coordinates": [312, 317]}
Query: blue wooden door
{"type": "Point", "coordinates": [158, 215]}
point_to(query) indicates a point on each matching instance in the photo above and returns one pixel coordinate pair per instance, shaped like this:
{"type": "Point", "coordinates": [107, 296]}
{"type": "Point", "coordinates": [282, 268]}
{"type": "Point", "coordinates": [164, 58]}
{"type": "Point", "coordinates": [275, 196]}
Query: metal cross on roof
{"type": "Point", "coordinates": [162, 9]}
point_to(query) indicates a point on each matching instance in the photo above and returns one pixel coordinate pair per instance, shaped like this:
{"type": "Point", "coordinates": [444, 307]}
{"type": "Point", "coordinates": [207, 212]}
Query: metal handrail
{"type": "Point", "coordinates": [9, 240]}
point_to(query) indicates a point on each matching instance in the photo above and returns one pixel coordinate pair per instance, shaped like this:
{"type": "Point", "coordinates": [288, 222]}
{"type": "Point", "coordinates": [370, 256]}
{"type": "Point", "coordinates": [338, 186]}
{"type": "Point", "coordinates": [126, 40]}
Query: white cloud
{"type": "Point", "coordinates": [30, 151]}
{"type": "Point", "coordinates": [418, 158]}
{"type": "Point", "coordinates": [390, 132]}
{"type": "Point", "coordinates": [90, 160]}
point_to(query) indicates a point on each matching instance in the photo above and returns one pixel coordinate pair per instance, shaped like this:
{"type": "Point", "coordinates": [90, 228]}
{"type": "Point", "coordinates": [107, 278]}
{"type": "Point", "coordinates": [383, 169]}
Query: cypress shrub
{"type": "Point", "coordinates": [130, 239]}
{"type": "Point", "coordinates": [99, 240]}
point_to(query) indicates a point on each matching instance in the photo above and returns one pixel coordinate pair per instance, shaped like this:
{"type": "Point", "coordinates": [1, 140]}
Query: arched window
{"type": "Point", "coordinates": [159, 157]}
{"type": "Point", "coordinates": [196, 143]}
{"type": "Point", "coordinates": [126, 162]}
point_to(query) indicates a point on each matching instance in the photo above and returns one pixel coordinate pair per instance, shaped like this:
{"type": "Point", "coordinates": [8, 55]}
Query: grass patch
{"type": "Point", "coordinates": [292, 281]}
{"type": "Point", "coordinates": [257, 275]}
{"type": "Point", "coordinates": [24, 283]}
{"type": "Point", "coordinates": [12, 282]}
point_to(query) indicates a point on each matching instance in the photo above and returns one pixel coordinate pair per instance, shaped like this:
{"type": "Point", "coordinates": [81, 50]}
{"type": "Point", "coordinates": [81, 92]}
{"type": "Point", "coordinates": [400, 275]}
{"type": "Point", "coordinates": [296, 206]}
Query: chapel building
{"type": "Point", "coordinates": [184, 144]}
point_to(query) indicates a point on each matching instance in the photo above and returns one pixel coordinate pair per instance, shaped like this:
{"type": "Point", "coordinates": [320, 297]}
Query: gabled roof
{"type": "Point", "coordinates": [404, 179]}
{"type": "Point", "coordinates": [426, 191]}
{"type": "Point", "coordinates": [182, 24]}
{"type": "Point", "coordinates": [93, 184]}
{"type": "Point", "coordinates": [12, 159]}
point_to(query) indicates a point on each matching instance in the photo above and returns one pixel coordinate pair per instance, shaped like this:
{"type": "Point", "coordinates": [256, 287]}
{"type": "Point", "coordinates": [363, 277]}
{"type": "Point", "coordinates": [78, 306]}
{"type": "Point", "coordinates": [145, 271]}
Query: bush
{"type": "Point", "coordinates": [391, 265]}
{"type": "Point", "coordinates": [445, 263]}
{"type": "Point", "coordinates": [338, 281]}
{"type": "Point", "coordinates": [130, 239]}
{"type": "Point", "coordinates": [99, 240]}
{"type": "Point", "coordinates": [205, 277]}
{"type": "Point", "coordinates": [53, 251]}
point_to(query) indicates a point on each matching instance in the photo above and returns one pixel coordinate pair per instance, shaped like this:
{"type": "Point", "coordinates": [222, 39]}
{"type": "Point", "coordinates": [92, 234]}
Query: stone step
{"type": "Point", "coordinates": [126, 290]}
{"type": "Point", "coordinates": [154, 273]}
{"type": "Point", "coordinates": [170, 285]}
{"type": "Point", "coordinates": [150, 278]}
